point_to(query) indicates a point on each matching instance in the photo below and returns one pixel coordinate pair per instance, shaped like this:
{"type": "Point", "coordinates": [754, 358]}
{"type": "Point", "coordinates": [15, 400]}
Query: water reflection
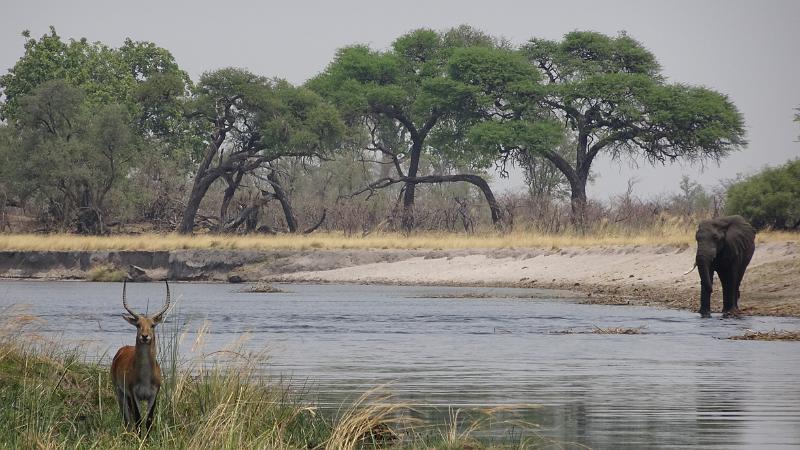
{"type": "Point", "coordinates": [676, 385]}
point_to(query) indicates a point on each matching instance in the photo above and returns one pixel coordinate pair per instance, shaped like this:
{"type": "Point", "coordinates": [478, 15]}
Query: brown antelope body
{"type": "Point", "coordinates": [135, 371]}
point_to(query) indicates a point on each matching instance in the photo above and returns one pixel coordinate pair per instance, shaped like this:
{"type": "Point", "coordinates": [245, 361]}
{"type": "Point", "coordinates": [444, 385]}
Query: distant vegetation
{"type": "Point", "coordinates": [770, 198]}
{"type": "Point", "coordinates": [101, 140]}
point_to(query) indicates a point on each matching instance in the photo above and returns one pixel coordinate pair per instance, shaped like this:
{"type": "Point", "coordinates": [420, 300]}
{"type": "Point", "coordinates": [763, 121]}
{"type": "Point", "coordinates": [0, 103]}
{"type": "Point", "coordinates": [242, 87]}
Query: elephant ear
{"type": "Point", "coordinates": [739, 235]}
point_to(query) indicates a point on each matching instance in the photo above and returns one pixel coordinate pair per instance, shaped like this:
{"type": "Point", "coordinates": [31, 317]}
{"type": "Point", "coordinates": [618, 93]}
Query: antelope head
{"type": "Point", "coordinates": [145, 325]}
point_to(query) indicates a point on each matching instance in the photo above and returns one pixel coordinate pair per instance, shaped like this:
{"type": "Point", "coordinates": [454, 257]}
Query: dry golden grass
{"type": "Point", "coordinates": [617, 330]}
{"type": "Point", "coordinates": [774, 335]}
{"type": "Point", "coordinates": [670, 233]}
{"type": "Point", "coordinates": [598, 330]}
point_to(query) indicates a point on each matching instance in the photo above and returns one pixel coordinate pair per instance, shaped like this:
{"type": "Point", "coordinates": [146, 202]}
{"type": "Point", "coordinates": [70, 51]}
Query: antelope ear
{"type": "Point", "coordinates": [131, 320]}
{"type": "Point", "coordinates": [157, 319]}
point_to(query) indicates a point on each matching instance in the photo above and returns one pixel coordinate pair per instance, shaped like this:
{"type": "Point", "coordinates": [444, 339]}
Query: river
{"type": "Point", "coordinates": [678, 383]}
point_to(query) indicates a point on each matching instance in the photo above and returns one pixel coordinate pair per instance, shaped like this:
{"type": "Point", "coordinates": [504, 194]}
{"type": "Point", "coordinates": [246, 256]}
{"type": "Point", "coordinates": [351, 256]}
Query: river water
{"type": "Point", "coordinates": [679, 383]}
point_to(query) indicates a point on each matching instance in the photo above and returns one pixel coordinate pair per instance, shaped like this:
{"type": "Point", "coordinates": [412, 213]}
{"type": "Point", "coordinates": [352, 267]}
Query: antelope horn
{"type": "Point", "coordinates": [166, 305]}
{"type": "Point", "coordinates": [690, 270]}
{"type": "Point", "coordinates": [125, 301]}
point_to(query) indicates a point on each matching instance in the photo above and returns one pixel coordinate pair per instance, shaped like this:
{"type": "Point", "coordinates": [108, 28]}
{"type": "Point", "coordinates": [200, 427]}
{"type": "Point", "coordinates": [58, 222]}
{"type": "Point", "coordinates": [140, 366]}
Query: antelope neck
{"type": "Point", "coordinates": [146, 357]}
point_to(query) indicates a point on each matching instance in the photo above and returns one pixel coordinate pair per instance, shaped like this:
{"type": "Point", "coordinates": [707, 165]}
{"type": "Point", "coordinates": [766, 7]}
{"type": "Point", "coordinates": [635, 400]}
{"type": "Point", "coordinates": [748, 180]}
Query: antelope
{"type": "Point", "coordinates": [134, 370]}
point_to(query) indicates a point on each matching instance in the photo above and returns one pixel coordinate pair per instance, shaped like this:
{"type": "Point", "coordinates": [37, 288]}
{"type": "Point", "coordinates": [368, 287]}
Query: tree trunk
{"type": "Point", "coordinates": [494, 207]}
{"type": "Point", "coordinates": [286, 205]}
{"type": "Point", "coordinates": [230, 191]}
{"type": "Point", "coordinates": [199, 189]}
{"type": "Point", "coordinates": [89, 219]}
{"type": "Point", "coordinates": [476, 180]}
{"type": "Point", "coordinates": [407, 219]}
{"type": "Point", "coordinates": [578, 204]}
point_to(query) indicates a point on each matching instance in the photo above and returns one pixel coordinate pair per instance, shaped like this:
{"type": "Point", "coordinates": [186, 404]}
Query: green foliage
{"type": "Point", "coordinates": [410, 85]}
{"type": "Point", "coordinates": [274, 116]}
{"type": "Point", "coordinates": [770, 198]}
{"type": "Point", "coordinates": [610, 88]}
{"type": "Point", "coordinates": [140, 76]}
{"type": "Point", "coordinates": [68, 153]}
{"type": "Point", "coordinates": [81, 114]}
{"type": "Point", "coordinates": [255, 121]}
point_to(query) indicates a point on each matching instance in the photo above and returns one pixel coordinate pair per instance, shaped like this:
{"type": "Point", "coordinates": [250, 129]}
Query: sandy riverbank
{"type": "Point", "coordinates": [641, 275]}
{"type": "Point", "coordinates": [618, 274]}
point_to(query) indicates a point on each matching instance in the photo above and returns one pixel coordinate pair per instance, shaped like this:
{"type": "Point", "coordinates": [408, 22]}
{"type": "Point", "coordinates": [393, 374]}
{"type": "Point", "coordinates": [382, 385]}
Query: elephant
{"type": "Point", "coordinates": [724, 245]}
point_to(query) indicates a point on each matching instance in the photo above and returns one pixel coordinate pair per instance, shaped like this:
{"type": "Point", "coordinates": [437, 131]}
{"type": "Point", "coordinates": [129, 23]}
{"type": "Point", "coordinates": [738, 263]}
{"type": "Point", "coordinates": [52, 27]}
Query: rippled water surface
{"type": "Point", "coordinates": [678, 384]}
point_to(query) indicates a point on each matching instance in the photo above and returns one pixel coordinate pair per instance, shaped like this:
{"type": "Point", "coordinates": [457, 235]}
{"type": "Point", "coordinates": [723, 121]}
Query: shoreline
{"type": "Point", "coordinates": [617, 275]}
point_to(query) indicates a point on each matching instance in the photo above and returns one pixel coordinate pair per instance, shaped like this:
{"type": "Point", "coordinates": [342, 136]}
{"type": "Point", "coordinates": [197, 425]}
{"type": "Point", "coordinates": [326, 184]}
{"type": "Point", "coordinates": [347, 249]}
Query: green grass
{"type": "Point", "coordinates": [53, 398]}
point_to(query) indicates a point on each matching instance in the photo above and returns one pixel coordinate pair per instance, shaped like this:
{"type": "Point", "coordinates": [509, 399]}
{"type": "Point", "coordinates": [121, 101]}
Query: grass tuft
{"type": "Point", "coordinates": [262, 287]}
{"type": "Point", "coordinates": [106, 273]}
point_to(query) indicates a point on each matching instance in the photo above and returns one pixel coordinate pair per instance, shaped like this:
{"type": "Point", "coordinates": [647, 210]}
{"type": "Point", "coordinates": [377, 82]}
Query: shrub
{"type": "Point", "coordinates": [770, 198]}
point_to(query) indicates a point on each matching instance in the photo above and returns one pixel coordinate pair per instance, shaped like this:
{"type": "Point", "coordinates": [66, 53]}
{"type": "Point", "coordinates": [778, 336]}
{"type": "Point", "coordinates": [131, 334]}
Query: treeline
{"type": "Point", "coordinates": [96, 139]}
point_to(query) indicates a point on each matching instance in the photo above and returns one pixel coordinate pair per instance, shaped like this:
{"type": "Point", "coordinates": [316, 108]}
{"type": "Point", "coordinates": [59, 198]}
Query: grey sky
{"type": "Point", "coordinates": [745, 49]}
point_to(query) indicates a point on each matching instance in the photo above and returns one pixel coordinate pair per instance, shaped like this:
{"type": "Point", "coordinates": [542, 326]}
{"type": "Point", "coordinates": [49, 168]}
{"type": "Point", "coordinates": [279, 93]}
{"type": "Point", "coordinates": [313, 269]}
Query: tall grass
{"type": "Point", "coordinates": [54, 398]}
{"type": "Point", "coordinates": [675, 231]}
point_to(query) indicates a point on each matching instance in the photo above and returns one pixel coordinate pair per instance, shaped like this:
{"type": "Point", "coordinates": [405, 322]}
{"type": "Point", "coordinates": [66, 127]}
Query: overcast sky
{"type": "Point", "coordinates": [748, 50]}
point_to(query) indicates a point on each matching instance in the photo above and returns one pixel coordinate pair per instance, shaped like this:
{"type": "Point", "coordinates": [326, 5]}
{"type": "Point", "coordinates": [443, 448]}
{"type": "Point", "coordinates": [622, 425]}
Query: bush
{"type": "Point", "coordinates": [770, 198]}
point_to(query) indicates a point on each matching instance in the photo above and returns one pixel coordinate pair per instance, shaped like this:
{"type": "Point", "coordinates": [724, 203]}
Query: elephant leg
{"type": "Point", "coordinates": [729, 289]}
{"type": "Point", "coordinates": [705, 294]}
{"type": "Point", "coordinates": [736, 292]}
{"type": "Point", "coordinates": [740, 276]}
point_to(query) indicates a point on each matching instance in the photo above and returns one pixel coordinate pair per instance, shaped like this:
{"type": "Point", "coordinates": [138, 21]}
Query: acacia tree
{"type": "Point", "coordinates": [610, 97]}
{"type": "Point", "coordinates": [403, 97]}
{"type": "Point", "coordinates": [251, 122]}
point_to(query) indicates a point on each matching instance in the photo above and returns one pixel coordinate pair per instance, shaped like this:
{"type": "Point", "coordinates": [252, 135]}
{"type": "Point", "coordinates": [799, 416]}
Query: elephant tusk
{"type": "Point", "coordinates": [690, 270]}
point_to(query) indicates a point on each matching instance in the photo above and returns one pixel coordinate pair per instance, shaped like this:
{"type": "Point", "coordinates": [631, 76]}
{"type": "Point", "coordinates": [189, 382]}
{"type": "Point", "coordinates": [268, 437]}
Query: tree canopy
{"type": "Point", "coordinates": [405, 95]}
{"type": "Point", "coordinates": [610, 96]}
{"type": "Point", "coordinates": [126, 75]}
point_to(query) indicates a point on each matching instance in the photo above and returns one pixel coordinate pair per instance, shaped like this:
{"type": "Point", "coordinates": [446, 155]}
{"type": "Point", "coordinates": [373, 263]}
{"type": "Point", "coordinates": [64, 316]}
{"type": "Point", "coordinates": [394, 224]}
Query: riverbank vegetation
{"type": "Point", "coordinates": [54, 398]}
